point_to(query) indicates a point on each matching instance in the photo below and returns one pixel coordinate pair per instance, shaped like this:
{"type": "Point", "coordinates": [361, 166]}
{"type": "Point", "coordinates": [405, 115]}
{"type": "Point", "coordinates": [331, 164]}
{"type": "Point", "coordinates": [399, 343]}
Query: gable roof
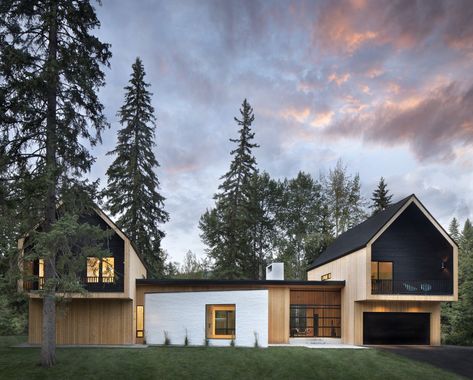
{"type": "Point", "coordinates": [360, 235]}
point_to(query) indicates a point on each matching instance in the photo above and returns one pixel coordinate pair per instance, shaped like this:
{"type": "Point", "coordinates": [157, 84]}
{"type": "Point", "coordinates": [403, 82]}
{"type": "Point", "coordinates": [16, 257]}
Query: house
{"type": "Point", "coordinates": [381, 282]}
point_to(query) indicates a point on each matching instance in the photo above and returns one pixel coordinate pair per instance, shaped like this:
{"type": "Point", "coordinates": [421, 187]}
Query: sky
{"type": "Point", "coordinates": [385, 86]}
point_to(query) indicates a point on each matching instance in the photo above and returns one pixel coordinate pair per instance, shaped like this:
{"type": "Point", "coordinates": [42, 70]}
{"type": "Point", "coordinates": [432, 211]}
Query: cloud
{"type": "Point", "coordinates": [431, 126]}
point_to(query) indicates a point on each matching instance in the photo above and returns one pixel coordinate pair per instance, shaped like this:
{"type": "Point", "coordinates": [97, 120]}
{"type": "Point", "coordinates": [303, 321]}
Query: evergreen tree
{"type": "Point", "coordinates": [132, 190]}
{"type": "Point", "coordinates": [381, 198]}
{"type": "Point", "coordinates": [225, 229]}
{"type": "Point", "coordinates": [50, 71]}
{"type": "Point", "coordinates": [454, 230]}
{"type": "Point", "coordinates": [461, 314]}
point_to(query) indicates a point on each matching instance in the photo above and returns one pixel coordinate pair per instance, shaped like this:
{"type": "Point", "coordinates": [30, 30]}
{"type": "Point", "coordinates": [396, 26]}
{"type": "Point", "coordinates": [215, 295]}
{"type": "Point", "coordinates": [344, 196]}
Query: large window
{"type": "Point", "coordinates": [220, 321]}
{"type": "Point", "coordinates": [100, 268]}
{"type": "Point", "coordinates": [381, 270]}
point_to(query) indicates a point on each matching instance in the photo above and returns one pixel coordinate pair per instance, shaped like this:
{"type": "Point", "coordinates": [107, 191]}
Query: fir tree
{"type": "Point", "coordinates": [133, 188]}
{"type": "Point", "coordinates": [461, 314]}
{"type": "Point", "coordinates": [50, 71]}
{"type": "Point", "coordinates": [381, 198]}
{"type": "Point", "coordinates": [454, 229]}
{"type": "Point", "coordinates": [225, 228]}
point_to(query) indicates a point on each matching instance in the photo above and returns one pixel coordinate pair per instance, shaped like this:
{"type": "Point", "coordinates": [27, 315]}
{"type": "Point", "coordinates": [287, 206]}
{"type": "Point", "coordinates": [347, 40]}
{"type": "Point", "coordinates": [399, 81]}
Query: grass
{"type": "Point", "coordinates": [212, 363]}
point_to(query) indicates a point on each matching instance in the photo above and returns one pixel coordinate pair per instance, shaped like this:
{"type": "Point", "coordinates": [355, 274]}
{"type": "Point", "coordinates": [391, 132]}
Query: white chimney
{"type": "Point", "coordinates": [275, 271]}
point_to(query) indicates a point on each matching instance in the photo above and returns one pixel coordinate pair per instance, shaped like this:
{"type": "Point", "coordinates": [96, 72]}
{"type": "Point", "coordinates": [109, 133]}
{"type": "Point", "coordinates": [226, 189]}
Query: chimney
{"type": "Point", "coordinates": [275, 271]}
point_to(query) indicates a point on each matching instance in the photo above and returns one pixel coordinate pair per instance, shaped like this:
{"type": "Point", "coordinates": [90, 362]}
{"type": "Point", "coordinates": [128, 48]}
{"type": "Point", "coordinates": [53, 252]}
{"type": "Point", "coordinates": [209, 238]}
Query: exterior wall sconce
{"type": "Point", "coordinates": [442, 266]}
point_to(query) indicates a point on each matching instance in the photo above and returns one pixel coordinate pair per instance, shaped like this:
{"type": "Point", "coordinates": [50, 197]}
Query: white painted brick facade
{"type": "Point", "coordinates": [176, 312]}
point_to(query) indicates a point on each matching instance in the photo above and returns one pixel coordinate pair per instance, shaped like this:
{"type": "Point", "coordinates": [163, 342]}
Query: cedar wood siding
{"type": "Point", "coordinates": [414, 232]}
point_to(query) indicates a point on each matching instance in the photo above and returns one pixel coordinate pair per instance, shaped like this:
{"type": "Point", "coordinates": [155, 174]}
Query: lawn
{"type": "Point", "coordinates": [211, 363]}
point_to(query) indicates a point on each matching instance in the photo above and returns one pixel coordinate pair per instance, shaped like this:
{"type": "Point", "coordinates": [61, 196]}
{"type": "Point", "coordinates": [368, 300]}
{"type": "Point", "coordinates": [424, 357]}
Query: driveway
{"type": "Point", "coordinates": [451, 358]}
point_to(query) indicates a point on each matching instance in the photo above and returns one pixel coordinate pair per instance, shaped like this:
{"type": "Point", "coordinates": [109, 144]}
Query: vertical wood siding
{"type": "Point", "coordinates": [86, 321]}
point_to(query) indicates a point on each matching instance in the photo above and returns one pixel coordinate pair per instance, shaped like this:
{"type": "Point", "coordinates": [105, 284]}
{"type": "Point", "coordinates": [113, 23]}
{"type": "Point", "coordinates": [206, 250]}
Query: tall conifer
{"type": "Point", "coordinates": [132, 190]}
{"type": "Point", "coordinates": [225, 229]}
{"type": "Point", "coordinates": [50, 71]}
{"type": "Point", "coordinates": [381, 198]}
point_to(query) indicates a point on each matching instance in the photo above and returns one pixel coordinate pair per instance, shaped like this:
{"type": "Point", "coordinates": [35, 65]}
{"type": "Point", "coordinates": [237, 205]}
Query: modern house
{"type": "Point", "coordinates": [379, 283]}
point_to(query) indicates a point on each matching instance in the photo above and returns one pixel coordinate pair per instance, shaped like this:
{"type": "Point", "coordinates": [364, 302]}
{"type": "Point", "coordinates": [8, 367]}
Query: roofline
{"type": "Point", "coordinates": [436, 221]}
{"type": "Point", "coordinates": [336, 258]}
{"type": "Point", "coordinates": [183, 282]}
{"type": "Point", "coordinates": [108, 221]}
{"type": "Point", "coordinates": [408, 200]}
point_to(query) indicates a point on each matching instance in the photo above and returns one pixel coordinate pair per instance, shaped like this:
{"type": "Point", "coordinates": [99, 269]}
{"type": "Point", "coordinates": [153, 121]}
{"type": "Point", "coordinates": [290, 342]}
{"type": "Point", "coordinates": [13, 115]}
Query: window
{"type": "Point", "coordinates": [381, 270]}
{"type": "Point", "coordinates": [100, 269]}
{"type": "Point", "coordinates": [326, 276]}
{"type": "Point", "coordinates": [139, 321]}
{"type": "Point", "coordinates": [41, 273]}
{"type": "Point", "coordinates": [220, 321]}
{"type": "Point", "coordinates": [108, 269]}
{"type": "Point", "coordinates": [93, 269]}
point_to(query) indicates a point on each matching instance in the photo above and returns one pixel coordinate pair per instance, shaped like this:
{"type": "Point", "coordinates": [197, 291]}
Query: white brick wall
{"type": "Point", "coordinates": [176, 312]}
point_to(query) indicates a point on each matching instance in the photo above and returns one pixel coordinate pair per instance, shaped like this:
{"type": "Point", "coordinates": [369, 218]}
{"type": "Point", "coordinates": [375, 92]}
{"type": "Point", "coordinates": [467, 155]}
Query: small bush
{"type": "Point", "coordinates": [186, 340]}
{"type": "Point", "coordinates": [167, 340]}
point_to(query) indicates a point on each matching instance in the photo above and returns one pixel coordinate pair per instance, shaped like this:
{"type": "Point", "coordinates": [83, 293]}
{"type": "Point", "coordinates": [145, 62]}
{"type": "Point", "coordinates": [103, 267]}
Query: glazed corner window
{"type": "Point", "coordinates": [139, 321]}
{"type": "Point", "coordinates": [97, 268]}
{"type": "Point", "coordinates": [220, 321]}
{"type": "Point", "coordinates": [326, 276]}
{"type": "Point", "coordinates": [381, 270]}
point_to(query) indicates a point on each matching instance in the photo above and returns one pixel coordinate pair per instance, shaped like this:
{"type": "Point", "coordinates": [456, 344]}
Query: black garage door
{"type": "Point", "coordinates": [396, 328]}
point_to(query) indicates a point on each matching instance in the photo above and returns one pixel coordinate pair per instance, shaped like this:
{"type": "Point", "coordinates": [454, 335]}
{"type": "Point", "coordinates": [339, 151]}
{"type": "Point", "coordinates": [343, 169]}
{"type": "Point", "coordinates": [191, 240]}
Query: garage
{"type": "Point", "coordinates": [396, 328]}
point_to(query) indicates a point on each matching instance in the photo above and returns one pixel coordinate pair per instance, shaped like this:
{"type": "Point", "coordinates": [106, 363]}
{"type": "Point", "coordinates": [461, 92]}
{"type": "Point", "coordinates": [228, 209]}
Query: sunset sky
{"type": "Point", "coordinates": [387, 86]}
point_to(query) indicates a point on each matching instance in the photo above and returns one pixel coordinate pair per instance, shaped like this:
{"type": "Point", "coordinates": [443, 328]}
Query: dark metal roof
{"type": "Point", "coordinates": [235, 282]}
{"type": "Point", "coordinates": [358, 236]}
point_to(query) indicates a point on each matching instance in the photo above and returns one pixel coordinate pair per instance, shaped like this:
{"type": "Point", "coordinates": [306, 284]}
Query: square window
{"type": "Point", "coordinates": [221, 321]}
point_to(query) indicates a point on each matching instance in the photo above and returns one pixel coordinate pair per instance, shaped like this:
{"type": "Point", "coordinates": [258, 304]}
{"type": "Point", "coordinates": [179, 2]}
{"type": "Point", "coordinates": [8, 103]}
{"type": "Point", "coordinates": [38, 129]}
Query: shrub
{"type": "Point", "coordinates": [186, 340]}
{"type": "Point", "coordinates": [167, 340]}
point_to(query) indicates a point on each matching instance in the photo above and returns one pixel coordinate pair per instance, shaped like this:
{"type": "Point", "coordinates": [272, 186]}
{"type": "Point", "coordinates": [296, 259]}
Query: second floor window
{"type": "Point", "coordinates": [381, 270]}
{"type": "Point", "coordinates": [103, 269]}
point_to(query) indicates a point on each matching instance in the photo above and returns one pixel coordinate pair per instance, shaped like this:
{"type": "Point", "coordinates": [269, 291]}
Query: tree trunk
{"type": "Point", "coordinates": [48, 346]}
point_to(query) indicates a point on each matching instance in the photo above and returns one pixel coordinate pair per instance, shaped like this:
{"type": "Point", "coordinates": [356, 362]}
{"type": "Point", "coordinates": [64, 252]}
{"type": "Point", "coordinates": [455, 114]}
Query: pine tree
{"type": "Point", "coordinates": [225, 228]}
{"type": "Point", "coordinates": [381, 197]}
{"type": "Point", "coordinates": [454, 229]}
{"type": "Point", "coordinates": [132, 190]}
{"type": "Point", "coordinates": [50, 71]}
{"type": "Point", "coordinates": [461, 314]}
